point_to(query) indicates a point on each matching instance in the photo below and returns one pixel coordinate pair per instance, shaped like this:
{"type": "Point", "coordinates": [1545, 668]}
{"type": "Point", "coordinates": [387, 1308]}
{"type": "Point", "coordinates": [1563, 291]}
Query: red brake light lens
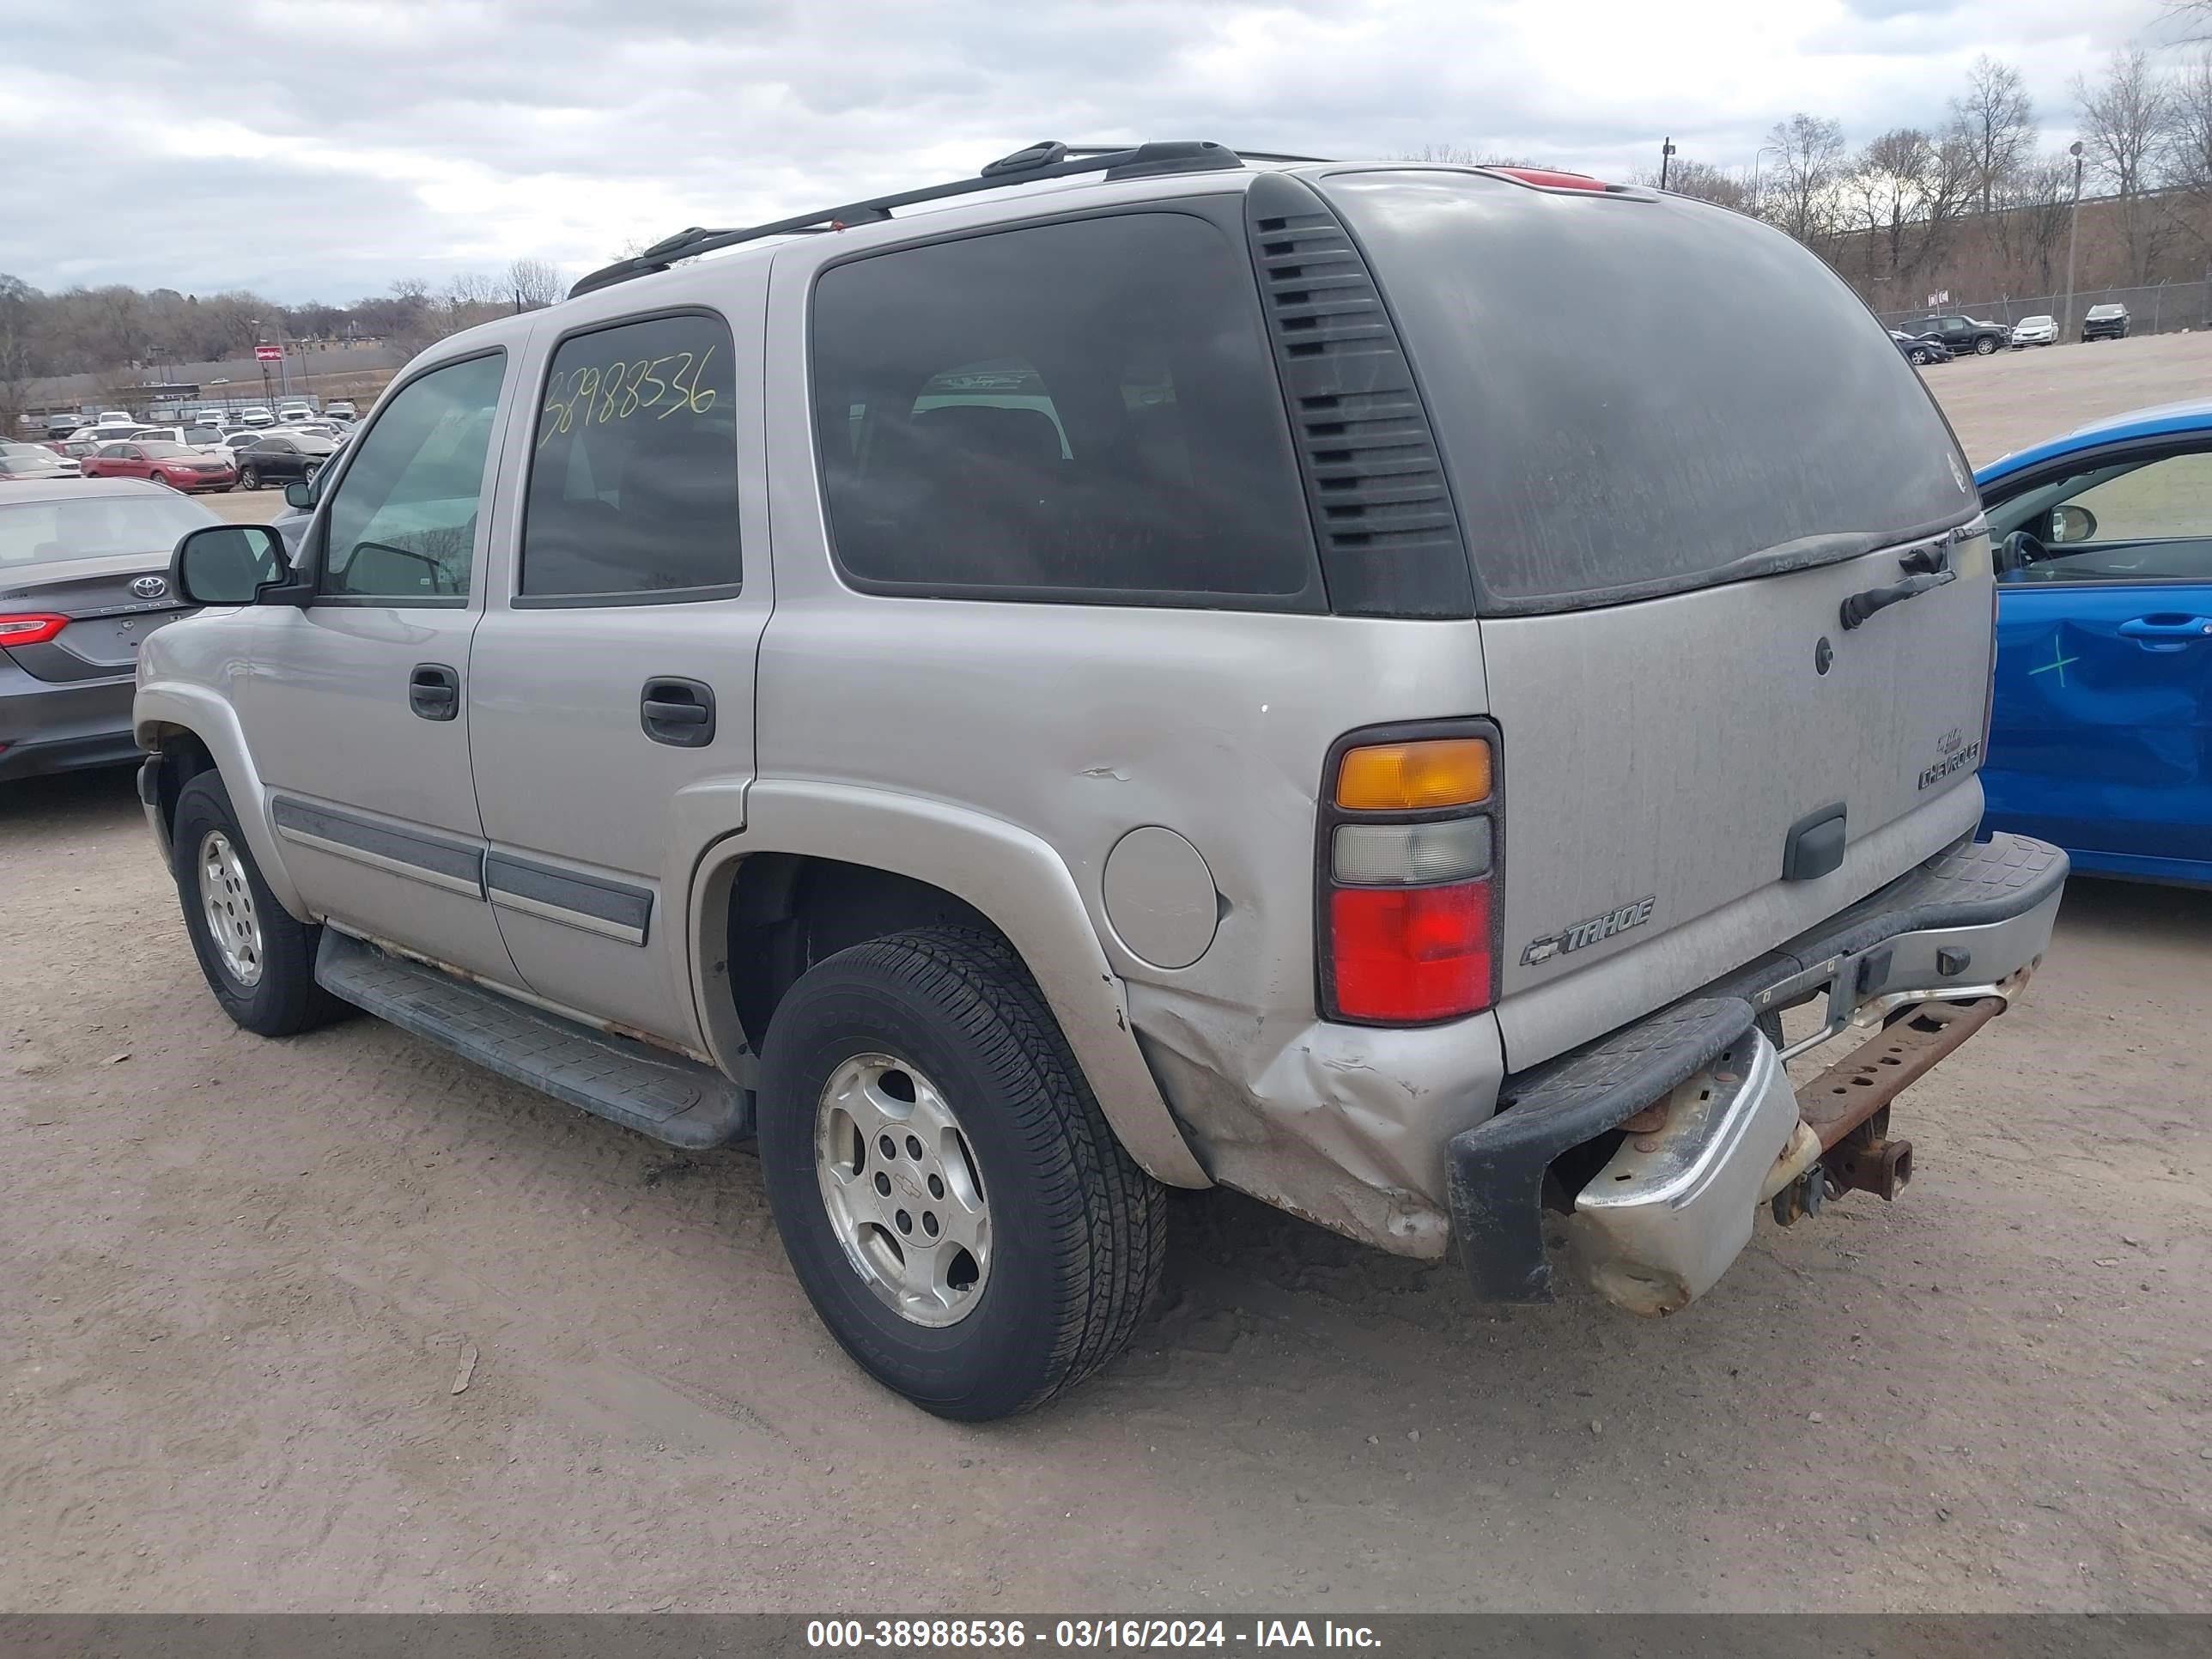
{"type": "Point", "coordinates": [1551, 179]}
{"type": "Point", "coordinates": [1408, 954]}
{"type": "Point", "coordinates": [35, 629]}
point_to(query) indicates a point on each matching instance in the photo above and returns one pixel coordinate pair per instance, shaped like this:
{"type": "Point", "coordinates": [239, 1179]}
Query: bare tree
{"type": "Point", "coordinates": [1806, 152]}
{"type": "Point", "coordinates": [2126, 118]}
{"type": "Point", "coordinates": [1463, 155]}
{"type": "Point", "coordinates": [2032, 227]}
{"type": "Point", "coordinates": [1705, 182]}
{"type": "Point", "coordinates": [535, 284]}
{"type": "Point", "coordinates": [18, 358]}
{"type": "Point", "coordinates": [1995, 120]}
{"type": "Point", "coordinates": [2187, 160]}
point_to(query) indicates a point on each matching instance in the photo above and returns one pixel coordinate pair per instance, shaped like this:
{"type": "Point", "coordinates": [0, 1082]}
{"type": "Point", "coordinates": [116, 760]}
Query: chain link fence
{"type": "Point", "coordinates": [2156, 308]}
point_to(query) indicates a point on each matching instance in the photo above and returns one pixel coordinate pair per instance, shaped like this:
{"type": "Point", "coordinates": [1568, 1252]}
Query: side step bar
{"type": "Point", "coordinates": [662, 1095]}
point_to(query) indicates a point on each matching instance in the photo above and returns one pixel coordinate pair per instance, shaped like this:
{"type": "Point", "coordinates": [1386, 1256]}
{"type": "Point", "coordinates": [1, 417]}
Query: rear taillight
{"type": "Point", "coordinates": [33, 628]}
{"type": "Point", "coordinates": [1408, 855]}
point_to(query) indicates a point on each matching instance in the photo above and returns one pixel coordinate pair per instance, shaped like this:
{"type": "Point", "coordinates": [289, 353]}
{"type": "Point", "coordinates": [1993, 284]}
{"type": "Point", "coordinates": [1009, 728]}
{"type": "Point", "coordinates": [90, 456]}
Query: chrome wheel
{"type": "Point", "coordinates": [904, 1195]}
{"type": "Point", "coordinates": [227, 901]}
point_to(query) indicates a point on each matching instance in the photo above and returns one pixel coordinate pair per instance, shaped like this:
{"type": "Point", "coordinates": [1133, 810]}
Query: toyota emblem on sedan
{"type": "Point", "coordinates": [150, 587]}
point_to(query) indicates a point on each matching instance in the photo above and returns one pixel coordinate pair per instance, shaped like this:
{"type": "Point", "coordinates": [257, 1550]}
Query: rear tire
{"type": "Point", "coordinates": [261, 966]}
{"type": "Point", "coordinates": [946, 1025]}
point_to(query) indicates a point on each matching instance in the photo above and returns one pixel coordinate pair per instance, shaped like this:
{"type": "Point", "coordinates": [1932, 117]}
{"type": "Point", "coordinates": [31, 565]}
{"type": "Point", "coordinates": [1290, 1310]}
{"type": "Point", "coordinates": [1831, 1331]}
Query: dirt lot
{"type": "Point", "coordinates": [243, 1277]}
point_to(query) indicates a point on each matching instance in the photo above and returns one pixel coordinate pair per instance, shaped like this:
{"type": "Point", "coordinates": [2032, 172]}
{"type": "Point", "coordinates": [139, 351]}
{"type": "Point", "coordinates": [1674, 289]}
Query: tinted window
{"type": "Point", "coordinates": [633, 484]}
{"type": "Point", "coordinates": [1066, 410]}
{"type": "Point", "coordinates": [1738, 410]}
{"type": "Point", "coordinates": [38, 532]}
{"type": "Point", "coordinates": [402, 525]}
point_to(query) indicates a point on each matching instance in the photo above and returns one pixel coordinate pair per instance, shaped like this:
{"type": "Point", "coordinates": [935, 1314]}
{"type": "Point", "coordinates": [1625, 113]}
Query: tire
{"type": "Point", "coordinates": [1920, 360]}
{"type": "Point", "coordinates": [1985, 346]}
{"type": "Point", "coordinates": [249, 479]}
{"type": "Point", "coordinates": [280, 997]}
{"type": "Point", "coordinates": [1076, 1231]}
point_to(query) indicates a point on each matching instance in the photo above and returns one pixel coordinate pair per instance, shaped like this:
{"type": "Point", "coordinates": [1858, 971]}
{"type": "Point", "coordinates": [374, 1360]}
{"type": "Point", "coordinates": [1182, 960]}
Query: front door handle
{"type": "Point", "coordinates": [678, 712]}
{"type": "Point", "coordinates": [433, 691]}
{"type": "Point", "coordinates": [2165, 632]}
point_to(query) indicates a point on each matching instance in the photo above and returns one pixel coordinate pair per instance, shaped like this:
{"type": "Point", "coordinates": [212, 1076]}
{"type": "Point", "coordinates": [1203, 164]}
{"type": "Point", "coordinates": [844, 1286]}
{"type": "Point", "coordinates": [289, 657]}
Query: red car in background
{"type": "Point", "coordinates": [164, 463]}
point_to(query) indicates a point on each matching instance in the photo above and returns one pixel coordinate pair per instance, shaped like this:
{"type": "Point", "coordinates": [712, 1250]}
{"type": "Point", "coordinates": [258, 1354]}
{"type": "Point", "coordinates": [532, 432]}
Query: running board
{"type": "Point", "coordinates": [663, 1094]}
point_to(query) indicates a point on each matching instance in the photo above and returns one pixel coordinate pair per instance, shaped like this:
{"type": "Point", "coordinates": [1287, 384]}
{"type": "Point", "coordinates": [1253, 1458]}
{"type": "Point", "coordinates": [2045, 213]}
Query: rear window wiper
{"type": "Point", "coordinates": [1925, 567]}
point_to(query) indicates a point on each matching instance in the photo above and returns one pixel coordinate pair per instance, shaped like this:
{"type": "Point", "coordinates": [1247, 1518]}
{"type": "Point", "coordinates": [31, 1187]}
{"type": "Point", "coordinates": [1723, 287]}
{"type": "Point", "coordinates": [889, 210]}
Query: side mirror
{"type": "Point", "coordinates": [300, 493]}
{"type": "Point", "coordinates": [2072, 524]}
{"type": "Point", "coordinates": [226, 563]}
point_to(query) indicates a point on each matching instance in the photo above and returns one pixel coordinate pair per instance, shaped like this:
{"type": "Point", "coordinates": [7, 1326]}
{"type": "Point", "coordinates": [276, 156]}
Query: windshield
{"type": "Point", "coordinates": [27, 461]}
{"type": "Point", "coordinates": [1605, 433]}
{"type": "Point", "coordinates": [83, 528]}
{"type": "Point", "coordinates": [2035, 322]}
{"type": "Point", "coordinates": [163, 451]}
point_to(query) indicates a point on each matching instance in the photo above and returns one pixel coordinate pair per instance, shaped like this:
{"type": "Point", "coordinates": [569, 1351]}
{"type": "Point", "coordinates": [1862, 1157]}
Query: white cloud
{"type": "Point", "coordinates": [323, 149]}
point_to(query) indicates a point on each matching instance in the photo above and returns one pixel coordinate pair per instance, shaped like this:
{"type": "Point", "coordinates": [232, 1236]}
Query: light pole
{"type": "Point", "coordinates": [1666, 155]}
{"type": "Point", "coordinates": [2073, 235]}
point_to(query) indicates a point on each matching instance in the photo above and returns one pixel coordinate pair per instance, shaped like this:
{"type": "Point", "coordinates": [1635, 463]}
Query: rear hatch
{"type": "Point", "coordinates": [72, 605]}
{"type": "Point", "coordinates": [1677, 444]}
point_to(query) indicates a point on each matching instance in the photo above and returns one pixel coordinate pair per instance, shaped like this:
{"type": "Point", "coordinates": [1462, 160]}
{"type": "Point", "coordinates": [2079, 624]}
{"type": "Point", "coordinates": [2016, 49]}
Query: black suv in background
{"type": "Point", "coordinates": [2106, 323]}
{"type": "Point", "coordinates": [1963, 334]}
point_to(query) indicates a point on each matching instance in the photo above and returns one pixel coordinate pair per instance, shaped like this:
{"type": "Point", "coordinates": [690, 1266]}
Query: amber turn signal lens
{"type": "Point", "coordinates": [1410, 777]}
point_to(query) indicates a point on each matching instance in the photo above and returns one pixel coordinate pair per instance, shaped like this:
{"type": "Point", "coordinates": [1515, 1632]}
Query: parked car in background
{"type": "Point", "coordinates": [293, 413]}
{"type": "Point", "coordinates": [1918, 351]}
{"type": "Point", "coordinates": [1964, 334]}
{"type": "Point", "coordinates": [256, 414]}
{"type": "Point", "coordinates": [281, 456]}
{"type": "Point", "coordinates": [78, 447]}
{"type": "Point", "coordinates": [115, 417]}
{"type": "Point", "coordinates": [2099, 738]}
{"type": "Point", "coordinates": [21, 461]}
{"type": "Point", "coordinates": [83, 582]}
{"type": "Point", "coordinates": [2035, 331]}
{"type": "Point", "coordinates": [341, 409]}
{"type": "Point", "coordinates": [2105, 323]}
{"type": "Point", "coordinates": [163, 463]}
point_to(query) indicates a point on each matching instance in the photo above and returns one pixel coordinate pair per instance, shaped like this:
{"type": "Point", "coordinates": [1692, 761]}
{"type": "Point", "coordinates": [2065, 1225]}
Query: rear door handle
{"type": "Point", "coordinates": [678, 712]}
{"type": "Point", "coordinates": [433, 691]}
{"type": "Point", "coordinates": [2165, 632]}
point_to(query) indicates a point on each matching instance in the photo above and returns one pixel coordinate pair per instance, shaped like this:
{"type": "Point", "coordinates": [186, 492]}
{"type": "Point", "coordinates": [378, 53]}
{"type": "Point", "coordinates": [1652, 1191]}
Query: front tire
{"type": "Point", "coordinates": [249, 479]}
{"type": "Point", "coordinates": [259, 960]}
{"type": "Point", "coordinates": [951, 1198]}
{"type": "Point", "coordinates": [1985, 346]}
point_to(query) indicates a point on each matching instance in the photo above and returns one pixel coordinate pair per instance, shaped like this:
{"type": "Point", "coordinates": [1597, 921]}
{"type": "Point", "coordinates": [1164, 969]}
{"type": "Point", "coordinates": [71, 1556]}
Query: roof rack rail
{"type": "Point", "coordinates": [1045, 159]}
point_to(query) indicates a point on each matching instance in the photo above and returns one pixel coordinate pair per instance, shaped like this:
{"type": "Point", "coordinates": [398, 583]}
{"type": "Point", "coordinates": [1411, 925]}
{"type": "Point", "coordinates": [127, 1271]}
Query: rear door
{"type": "Point", "coordinates": [357, 710]}
{"type": "Point", "coordinates": [2102, 740]}
{"type": "Point", "coordinates": [611, 719]}
{"type": "Point", "coordinates": [1699, 758]}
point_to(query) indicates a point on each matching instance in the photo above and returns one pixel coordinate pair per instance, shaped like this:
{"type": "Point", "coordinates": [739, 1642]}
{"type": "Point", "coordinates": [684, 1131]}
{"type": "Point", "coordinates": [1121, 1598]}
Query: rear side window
{"type": "Point", "coordinates": [1085, 410]}
{"type": "Point", "coordinates": [634, 482]}
{"type": "Point", "coordinates": [1635, 396]}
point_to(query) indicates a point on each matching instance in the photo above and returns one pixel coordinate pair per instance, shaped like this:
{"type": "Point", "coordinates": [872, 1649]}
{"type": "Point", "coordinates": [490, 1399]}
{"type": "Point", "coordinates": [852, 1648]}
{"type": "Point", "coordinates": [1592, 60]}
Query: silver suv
{"type": "Point", "coordinates": [1163, 669]}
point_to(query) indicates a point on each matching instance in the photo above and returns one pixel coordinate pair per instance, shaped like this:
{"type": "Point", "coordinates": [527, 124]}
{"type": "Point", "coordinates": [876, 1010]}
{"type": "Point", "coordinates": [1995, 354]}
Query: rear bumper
{"type": "Point", "coordinates": [1718, 1125]}
{"type": "Point", "coordinates": [59, 727]}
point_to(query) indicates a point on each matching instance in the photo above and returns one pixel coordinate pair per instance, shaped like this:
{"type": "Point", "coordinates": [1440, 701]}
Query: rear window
{"type": "Point", "coordinates": [1083, 410]}
{"type": "Point", "coordinates": [87, 526]}
{"type": "Point", "coordinates": [1635, 397]}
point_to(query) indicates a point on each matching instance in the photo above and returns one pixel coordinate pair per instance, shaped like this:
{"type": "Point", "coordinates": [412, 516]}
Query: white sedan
{"type": "Point", "coordinates": [2034, 330]}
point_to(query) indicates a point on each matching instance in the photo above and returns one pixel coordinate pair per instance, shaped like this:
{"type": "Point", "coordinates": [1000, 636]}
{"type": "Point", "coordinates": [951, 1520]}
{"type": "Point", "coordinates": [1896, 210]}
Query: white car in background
{"type": "Point", "coordinates": [293, 413]}
{"type": "Point", "coordinates": [2034, 330]}
{"type": "Point", "coordinates": [256, 414]}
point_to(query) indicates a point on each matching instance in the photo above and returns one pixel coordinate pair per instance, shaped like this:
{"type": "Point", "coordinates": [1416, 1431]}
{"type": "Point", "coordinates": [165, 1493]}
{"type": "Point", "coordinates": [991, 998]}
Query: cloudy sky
{"type": "Point", "coordinates": [321, 149]}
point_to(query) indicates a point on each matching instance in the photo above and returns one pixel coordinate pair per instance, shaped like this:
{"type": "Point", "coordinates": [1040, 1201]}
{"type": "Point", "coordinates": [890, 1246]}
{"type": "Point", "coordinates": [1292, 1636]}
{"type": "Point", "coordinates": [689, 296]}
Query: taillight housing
{"type": "Point", "coordinates": [1407, 857]}
{"type": "Point", "coordinates": [31, 627]}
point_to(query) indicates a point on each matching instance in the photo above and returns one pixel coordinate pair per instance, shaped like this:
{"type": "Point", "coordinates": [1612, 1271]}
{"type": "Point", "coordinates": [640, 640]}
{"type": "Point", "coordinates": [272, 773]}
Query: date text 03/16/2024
{"type": "Point", "coordinates": [1008, 1635]}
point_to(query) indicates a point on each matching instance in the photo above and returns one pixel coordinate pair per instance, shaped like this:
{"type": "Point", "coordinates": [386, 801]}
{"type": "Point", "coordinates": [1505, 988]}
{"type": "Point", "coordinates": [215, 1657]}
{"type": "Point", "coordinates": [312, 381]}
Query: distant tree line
{"type": "Point", "coordinates": [114, 330]}
{"type": "Point", "coordinates": [1975, 202]}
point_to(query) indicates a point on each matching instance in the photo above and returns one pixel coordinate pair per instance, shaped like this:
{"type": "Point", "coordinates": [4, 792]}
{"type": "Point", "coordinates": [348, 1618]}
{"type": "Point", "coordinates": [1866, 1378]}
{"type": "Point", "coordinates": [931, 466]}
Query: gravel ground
{"type": "Point", "coordinates": [245, 1277]}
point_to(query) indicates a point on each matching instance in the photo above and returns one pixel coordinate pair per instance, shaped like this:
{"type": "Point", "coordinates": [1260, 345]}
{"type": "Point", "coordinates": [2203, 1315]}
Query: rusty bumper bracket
{"type": "Point", "coordinates": [1866, 1080]}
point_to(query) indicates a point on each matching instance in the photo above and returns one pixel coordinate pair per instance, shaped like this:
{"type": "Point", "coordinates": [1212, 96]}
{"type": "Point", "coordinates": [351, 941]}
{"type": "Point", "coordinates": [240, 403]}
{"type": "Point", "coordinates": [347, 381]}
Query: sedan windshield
{"type": "Point", "coordinates": [163, 451]}
{"type": "Point", "coordinates": [83, 528]}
